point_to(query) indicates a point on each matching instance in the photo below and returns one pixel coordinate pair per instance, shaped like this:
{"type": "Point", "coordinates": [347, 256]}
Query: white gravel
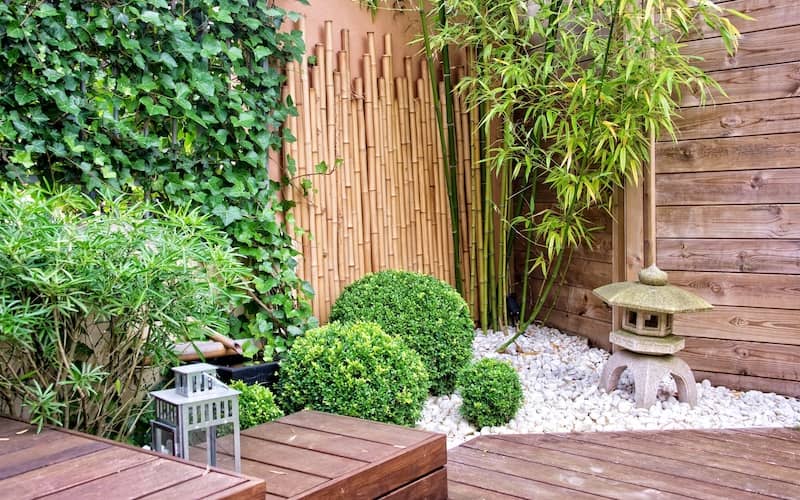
{"type": "Point", "coordinates": [559, 375]}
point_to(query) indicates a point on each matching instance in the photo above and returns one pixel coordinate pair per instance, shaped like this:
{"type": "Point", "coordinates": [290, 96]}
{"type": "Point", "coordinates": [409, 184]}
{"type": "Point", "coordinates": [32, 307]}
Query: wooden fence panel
{"type": "Point", "coordinates": [728, 205]}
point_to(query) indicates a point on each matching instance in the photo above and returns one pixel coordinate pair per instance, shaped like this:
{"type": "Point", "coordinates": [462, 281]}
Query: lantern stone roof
{"type": "Point", "coordinates": [651, 293]}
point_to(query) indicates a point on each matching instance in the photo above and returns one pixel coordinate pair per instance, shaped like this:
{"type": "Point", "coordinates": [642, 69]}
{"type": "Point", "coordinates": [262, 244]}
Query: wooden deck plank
{"type": "Point", "coordinates": [431, 487]}
{"type": "Point", "coordinates": [135, 482]}
{"type": "Point", "coordinates": [376, 478]}
{"type": "Point", "coordinates": [631, 473]}
{"type": "Point", "coordinates": [312, 462]}
{"type": "Point", "coordinates": [211, 485]}
{"type": "Point", "coordinates": [327, 442]}
{"type": "Point", "coordinates": [63, 475]}
{"type": "Point", "coordinates": [701, 441]}
{"type": "Point", "coordinates": [720, 482]}
{"type": "Point", "coordinates": [458, 491]}
{"type": "Point", "coordinates": [791, 435]}
{"type": "Point", "coordinates": [519, 460]}
{"type": "Point", "coordinates": [767, 444]}
{"type": "Point", "coordinates": [46, 452]}
{"type": "Point", "coordinates": [12, 442]}
{"type": "Point", "coordinates": [754, 477]}
{"type": "Point", "coordinates": [282, 482]}
{"type": "Point", "coordinates": [349, 426]}
{"type": "Point", "coordinates": [494, 482]}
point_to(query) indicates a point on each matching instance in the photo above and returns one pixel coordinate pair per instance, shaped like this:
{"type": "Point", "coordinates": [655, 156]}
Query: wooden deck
{"type": "Point", "coordinates": [318, 455]}
{"type": "Point", "coordinates": [713, 464]}
{"type": "Point", "coordinates": [63, 464]}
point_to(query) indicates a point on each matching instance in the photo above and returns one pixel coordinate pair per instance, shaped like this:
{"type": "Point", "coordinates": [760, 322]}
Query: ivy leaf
{"type": "Point", "coordinates": [228, 215]}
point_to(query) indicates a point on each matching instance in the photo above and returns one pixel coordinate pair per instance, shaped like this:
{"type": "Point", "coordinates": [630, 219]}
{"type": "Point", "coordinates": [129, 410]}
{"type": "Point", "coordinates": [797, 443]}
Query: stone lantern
{"type": "Point", "coordinates": [646, 339]}
{"type": "Point", "coordinates": [199, 402]}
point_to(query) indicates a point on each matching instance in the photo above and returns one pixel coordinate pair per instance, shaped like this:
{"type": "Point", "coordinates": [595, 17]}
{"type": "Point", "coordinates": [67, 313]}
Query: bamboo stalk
{"type": "Point", "coordinates": [309, 170]}
{"type": "Point", "coordinates": [318, 242]}
{"type": "Point", "coordinates": [362, 178]}
{"type": "Point", "coordinates": [409, 234]}
{"type": "Point", "coordinates": [344, 189]}
{"type": "Point", "coordinates": [461, 184]}
{"type": "Point", "coordinates": [376, 217]}
{"type": "Point", "coordinates": [426, 150]}
{"type": "Point", "coordinates": [390, 179]}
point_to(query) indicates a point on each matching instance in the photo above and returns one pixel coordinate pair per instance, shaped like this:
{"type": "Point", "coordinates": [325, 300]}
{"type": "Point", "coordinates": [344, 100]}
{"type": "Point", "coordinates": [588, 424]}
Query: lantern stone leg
{"type": "Point", "coordinates": [648, 371]}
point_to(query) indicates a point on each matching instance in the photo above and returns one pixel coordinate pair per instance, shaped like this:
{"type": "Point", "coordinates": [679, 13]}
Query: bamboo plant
{"type": "Point", "coordinates": [579, 87]}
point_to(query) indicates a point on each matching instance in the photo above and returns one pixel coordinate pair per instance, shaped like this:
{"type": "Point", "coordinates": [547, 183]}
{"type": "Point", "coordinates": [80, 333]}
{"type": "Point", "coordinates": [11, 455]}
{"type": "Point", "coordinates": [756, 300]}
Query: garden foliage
{"type": "Point", "coordinates": [256, 404]}
{"type": "Point", "coordinates": [427, 313]}
{"type": "Point", "coordinates": [577, 91]}
{"type": "Point", "coordinates": [90, 291]}
{"type": "Point", "coordinates": [357, 370]}
{"type": "Point", "coordinates": [179, 101]}
{"type": "Point", "coordinates": [491, 391]}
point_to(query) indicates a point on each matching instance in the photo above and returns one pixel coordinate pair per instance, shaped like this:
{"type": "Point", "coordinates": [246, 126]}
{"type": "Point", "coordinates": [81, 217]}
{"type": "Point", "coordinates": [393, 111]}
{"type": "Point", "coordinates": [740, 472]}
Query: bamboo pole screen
{"type": "Point", "coordinates": [382, 203]}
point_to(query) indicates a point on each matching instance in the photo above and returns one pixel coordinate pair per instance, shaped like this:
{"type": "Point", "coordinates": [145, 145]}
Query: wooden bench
{"type": "Point", "coordinates": [318, 455]}
{"type": "Point", "coordinates": [63, 464]}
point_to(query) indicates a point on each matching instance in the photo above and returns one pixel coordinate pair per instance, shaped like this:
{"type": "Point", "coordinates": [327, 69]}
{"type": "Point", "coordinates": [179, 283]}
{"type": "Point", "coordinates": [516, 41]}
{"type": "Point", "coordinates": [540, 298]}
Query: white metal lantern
{"type": "Point", "coordinates": [198, 402]}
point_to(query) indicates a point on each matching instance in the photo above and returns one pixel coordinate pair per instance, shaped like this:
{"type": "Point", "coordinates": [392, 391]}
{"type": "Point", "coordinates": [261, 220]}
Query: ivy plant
{"type": "Point", "coordinates": [179, 102]}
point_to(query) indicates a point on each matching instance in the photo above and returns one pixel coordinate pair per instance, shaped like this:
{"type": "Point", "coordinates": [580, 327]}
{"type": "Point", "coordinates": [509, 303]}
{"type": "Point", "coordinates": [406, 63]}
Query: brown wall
{"type": "Point", "coordinates": [728, 197]}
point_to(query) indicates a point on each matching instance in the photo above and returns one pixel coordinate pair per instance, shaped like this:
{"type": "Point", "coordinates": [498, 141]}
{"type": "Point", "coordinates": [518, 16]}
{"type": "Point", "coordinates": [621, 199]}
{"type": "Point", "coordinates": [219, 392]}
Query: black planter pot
{"type": "Point", "coordinates": [233, 368]}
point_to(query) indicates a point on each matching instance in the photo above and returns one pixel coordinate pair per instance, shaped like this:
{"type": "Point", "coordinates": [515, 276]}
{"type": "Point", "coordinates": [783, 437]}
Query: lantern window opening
{"type": "Point", "coordinates": [651, 321]}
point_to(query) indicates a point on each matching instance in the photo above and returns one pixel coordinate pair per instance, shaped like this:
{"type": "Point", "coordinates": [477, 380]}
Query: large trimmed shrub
{"type": "Point", "coordinates": [428, 314]}
{"type": "Point", "coordinates": [491, 391]}
{"type": "Point", "coordinates": [256, 404]}
{"type": "Point", "coordinates": [356, 370]}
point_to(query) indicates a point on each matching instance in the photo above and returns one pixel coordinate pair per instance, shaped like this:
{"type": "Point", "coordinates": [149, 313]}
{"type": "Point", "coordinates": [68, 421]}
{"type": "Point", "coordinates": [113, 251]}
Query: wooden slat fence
{"type": "Point", "coordinates": [382, 204]}
{"type": "Point", "coordinates": [728, 205]}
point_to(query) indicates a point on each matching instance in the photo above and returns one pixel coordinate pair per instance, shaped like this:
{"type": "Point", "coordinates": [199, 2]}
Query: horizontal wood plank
{"type": "Point", "coordinates": [729, 153]}
{"type": "Point", "coordinates": [757, 48]}
{"type": "Point", "coordinates": [518, 460]}
{"type": "Point", "coordinates": [596, 331]}
{"type": "Point", "coordinates": [69, 473]}
{"type": "Point", "coordinates": [729, 221]}
{"type": "Point", "coordinates": [133, 482]}
{"type": "Point", "coordinates": [651, 484]}
{"type": "Point", "coordinates": [759, 83]}
{"type": "Point", "coordinates": [743, 358]}
{"type": "Point", "coordinates": [776, 116]}
{"type": "Point", "coordinates": [507, 484]}
{"type": "Point", "coordinates": [764, 479]}
{"type": "Point", "coordinates": [766, 14]}
{"type": "Point", "coordinates": [52, 451]}
{"type": "Point", "coordinates": [354, 427]}
{"type": "Point", "coordinates": [741, 187]}
{"type": "Point", "coordinates": [730, 255]}
{"type": "Point", "coordinates": [726, 483]}
{"type": "Point", "coordinates": [431, 487]}
{"type": "Point", "coordinates": [213, 484]}
{"type": "Point", "coordinates": [745, 383]}
{"type": "Point", "coordinates": [778, 291]}
{"type": "Point", "coordinates": [582, 273]}
{"type": "Point", "coordinates": [778, 326]}
{"type": "Point", "coordinates": [461, 491]}
{"type": "Point", "coordinates": [387, 474]}
{"type": "Point", "coordinates": [580, 301]}
{"type": "Point", "coordinates": [327, 442]}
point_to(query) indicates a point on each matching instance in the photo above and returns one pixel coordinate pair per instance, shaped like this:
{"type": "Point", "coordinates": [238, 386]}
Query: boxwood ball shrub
{"type": "Point", "coordinates": [256, 404]}
{"type": "Point", "coordinates": [428, 314]}
{"type": "Point", "coordinates": [355, 370]}
{"type": "Point", "coordinates": [491, 391]}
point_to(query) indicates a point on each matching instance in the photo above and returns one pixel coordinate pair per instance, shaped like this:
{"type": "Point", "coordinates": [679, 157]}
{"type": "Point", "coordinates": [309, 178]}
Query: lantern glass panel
{"type": "Point", "coordinates": [164, 438]}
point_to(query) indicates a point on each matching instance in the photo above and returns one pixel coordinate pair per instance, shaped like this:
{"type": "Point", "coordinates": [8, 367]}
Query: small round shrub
{"type": "Point", "coordinates": [256, 404]}
{"type": "Point", "coordinates": [428, 314]}
{"type": "Point", "coordinates": [355, 370]}
{"type": "Point", "coordinates": [491, 391]}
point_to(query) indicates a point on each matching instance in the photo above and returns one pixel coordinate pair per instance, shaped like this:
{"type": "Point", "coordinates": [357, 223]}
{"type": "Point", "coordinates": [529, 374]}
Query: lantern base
{"type": "Point", "coordinates": [648, 371]}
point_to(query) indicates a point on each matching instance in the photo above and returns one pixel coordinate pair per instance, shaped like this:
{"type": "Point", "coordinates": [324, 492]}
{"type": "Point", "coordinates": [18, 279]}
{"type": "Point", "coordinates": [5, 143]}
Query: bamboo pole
{"type": "Point", "coordinates": [390, 179]}
{"type": "Point", "coordinates": [414, 190]}
{"type": "Point", "coordinates": [426, 150]}
{"type": "Point", "coordinates": [376, 217]}
{"type": "Point", "coordinates": [462, 198]}
{"type": "Point", "coordinates": [362, 179]}
{"type": "Point", "coordinates": [319, 283]}
{"type": "Point", "coordinates": [407, 196]}
{"type": "Point", "coordinates": [309, 170]}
